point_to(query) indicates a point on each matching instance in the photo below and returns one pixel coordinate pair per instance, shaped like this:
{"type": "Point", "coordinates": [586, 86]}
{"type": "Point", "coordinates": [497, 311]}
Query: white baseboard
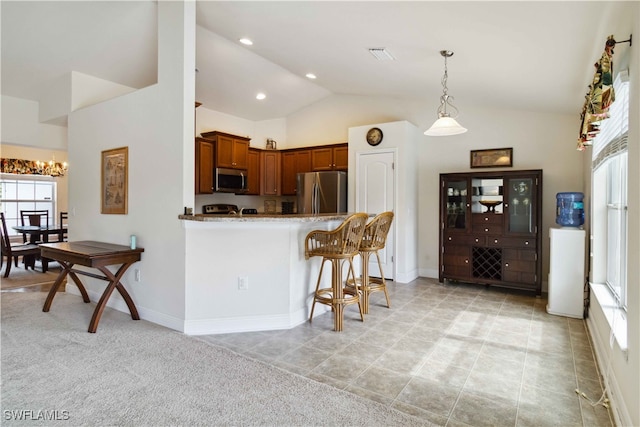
{"type": "Point", "coordinates": [618, 408]}
{"type": "Point", "coordinates": [210, 326]}
{"type": "Point", "coordinates": [431, 273]}
{"type": "Point", "coordinates": [407, 277]}
{"type": "Point", "coordinates": [119, 304]}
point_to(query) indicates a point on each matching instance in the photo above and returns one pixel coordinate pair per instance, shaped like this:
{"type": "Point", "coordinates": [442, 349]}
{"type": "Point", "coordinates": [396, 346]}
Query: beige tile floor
{"type": "Point", "coordinates": [454, 354]}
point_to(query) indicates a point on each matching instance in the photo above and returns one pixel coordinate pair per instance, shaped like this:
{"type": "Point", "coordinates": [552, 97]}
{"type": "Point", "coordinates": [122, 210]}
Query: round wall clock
{"type": "Point", "coordinates": [374, 136]}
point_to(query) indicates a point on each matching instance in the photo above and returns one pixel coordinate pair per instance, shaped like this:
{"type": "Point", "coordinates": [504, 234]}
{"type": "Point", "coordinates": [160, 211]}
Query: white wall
{"type": "Point", "coordinates": [21, 126]}
{"type": "Point", "coordinates": [328, 120]}
{"type": "Point", "coordinates": [88, 90]}
{"type": "Point", "coordinates": [208, 120]}
{"type": "Point", "coordinates": [55, 102]}
{"type": "Point", "coordinates": [156, 124]}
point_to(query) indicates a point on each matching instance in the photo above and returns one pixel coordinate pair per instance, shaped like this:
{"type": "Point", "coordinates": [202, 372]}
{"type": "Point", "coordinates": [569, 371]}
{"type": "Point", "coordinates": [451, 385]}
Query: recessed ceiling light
{"type": "Point", "coordinates": [246, 41]}
{"type": "Point", "coordinates": [261, 96]}
{"type": "Point", "coordinates": [311, 76]}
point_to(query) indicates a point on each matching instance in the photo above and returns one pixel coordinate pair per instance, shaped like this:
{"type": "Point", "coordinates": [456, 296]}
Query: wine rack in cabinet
{"type": "Point", "coordinates": [490, 228]}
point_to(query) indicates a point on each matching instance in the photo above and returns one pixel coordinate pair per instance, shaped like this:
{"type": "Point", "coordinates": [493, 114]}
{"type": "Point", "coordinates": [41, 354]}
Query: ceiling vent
{"type": "Point", "coordinates": [381, 54]}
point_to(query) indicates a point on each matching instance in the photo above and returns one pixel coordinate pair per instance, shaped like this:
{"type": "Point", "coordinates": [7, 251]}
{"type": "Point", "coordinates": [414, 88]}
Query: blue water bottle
{"type": "Point", "coordinates": [570, 209]}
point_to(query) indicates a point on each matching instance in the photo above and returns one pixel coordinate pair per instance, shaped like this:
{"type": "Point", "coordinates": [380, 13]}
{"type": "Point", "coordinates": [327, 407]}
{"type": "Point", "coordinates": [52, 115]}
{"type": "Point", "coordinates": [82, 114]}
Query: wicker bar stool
{"type": "Point", "coordinates": [373, 240]}
{"type": "Point", "coordinates": [338, 246]}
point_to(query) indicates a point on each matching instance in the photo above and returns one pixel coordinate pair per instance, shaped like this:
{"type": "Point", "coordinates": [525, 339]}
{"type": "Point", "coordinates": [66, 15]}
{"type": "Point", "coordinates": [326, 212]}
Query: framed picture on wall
{"type": "Point", "coordinates": [114, 181]}
{"type": "Point", "coordinates": [492, 158]}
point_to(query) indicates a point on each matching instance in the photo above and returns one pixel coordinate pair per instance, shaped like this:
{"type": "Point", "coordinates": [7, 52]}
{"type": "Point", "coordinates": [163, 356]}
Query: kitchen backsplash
{"type": "Point", "coordinates": [254, 202]}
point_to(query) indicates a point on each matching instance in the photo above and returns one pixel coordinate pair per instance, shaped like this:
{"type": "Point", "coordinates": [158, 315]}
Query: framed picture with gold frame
{"type": "Point", "coordinates": [492, 158]}
{"type": "Point", "coordinates": [114, 180]}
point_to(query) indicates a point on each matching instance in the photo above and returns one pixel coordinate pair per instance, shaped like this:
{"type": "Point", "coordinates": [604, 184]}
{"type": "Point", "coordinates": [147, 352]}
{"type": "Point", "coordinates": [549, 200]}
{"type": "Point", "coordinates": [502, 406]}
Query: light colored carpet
{"type": "Point", "coordinates": [136, 373]}
{"type": "Point", "coordinates": [19, 277]}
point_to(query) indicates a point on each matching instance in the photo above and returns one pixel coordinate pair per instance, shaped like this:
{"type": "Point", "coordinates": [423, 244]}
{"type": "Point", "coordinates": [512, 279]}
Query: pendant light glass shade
{"type": "Point", "coordinates": [445, 125]}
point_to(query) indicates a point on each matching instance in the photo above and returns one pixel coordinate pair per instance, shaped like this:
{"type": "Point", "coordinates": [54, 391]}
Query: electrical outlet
{"type": "Point", "coordinates": [243, 283]}
{"type": "Point", "coordinates": [137, 275]}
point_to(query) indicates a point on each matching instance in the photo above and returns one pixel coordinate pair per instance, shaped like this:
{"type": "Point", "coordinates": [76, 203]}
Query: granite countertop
{"type": "Point", "coordinates": [266, 217]}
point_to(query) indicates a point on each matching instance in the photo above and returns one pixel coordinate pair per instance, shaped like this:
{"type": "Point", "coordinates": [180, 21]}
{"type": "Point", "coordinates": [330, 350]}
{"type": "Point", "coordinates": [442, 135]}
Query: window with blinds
{"type": "Point", "coordinates": [612, 138]}
{"type": "Point", "coordinates": [609, 172]}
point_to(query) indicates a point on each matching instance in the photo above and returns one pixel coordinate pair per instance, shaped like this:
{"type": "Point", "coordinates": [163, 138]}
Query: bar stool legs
{"type": "Point", "coordinates": [370, 284]}
{"type": "Point", "coordinates": [373, 240]}
{"type": "Point", "coordinates": [339, 246]}
{"type": "Point", "coordinates": [338, 296]}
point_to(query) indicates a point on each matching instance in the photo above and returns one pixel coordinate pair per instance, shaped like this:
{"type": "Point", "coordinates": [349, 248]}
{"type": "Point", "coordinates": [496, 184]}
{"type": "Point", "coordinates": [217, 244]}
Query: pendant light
{"type": "Point", "coordinates": [445, 125]}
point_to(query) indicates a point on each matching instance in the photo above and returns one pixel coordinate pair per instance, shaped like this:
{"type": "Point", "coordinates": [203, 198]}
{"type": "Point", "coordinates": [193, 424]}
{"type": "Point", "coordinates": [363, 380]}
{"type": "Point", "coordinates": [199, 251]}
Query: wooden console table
{"type": "Point", "coordinates": [97, 255]}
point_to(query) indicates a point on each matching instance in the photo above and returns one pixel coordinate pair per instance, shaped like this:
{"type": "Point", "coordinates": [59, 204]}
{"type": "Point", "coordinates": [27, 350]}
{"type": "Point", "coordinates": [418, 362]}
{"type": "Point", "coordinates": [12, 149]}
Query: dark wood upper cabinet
{"type": "Point", "coordinates": [341, 157]}
{"type": "Point", "coordinates": [231, 151]}
{"type": "Point", "coordinates": [204, 166]}
{"type": "Point", "coordinates": [293, 163]}
{"type": "Point", "coordinates": [253, 172]}
{"type": "Point", "coordinates": [270, 172]}
{"type": "Point", "coordinates": [330, 158]}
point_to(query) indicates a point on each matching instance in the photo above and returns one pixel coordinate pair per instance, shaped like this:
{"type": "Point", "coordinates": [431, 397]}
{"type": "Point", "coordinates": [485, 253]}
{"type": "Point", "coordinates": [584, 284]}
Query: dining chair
{"type": "Point", "coordinates": [339, 246]}
{"type": "Point", "coordinates": [33, 217]}
{"type": "Point", "coordinates": [62, 236]}
{"type": "Point", "coordinates": [373, 240]}
{"type": "Point", "coordinates": [12, 252]}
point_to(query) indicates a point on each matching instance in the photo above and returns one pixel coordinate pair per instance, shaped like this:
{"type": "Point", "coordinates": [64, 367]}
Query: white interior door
{"type": "Point", "coordinates": [375, 193]}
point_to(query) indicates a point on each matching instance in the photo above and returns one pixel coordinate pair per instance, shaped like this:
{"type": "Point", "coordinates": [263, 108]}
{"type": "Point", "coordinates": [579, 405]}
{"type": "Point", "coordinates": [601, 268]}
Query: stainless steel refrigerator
{"type": "Point", "coordinates": [321, 192]}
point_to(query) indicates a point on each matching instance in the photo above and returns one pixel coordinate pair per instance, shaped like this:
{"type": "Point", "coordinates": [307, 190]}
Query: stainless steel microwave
{"type": "Point", "coordinates": [231, 180]}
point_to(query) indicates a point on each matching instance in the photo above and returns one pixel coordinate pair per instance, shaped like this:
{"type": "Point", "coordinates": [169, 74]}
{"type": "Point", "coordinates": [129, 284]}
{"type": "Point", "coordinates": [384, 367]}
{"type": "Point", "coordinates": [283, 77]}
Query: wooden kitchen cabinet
{"type": "Point", "coordinates": [341, 157]}
{"type": "Point", "coordinates": [270, 172]}
{"type": "Point", "coordinates": [204, 166]}
{"type": "Point", "coordinates": [293, 163]}
{"type": "Point", "coordinates": [231, 151]}
{"type": "Point", "coordinates": [253, 172]}
{"type": "Point", "coordinates": [330, 158]}
{"type": "Point", "coordinates": [490, 228]}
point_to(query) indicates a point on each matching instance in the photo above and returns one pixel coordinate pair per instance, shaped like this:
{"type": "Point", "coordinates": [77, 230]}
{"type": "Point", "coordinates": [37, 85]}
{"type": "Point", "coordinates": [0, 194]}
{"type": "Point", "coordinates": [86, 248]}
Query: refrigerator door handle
{"type": "Point", "coordinates": [315, 202]}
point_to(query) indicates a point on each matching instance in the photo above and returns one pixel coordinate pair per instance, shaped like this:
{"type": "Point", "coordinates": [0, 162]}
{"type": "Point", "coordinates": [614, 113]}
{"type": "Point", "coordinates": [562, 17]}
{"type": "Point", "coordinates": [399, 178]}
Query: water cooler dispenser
{"type": "Point", "coordinates": [567, 258]}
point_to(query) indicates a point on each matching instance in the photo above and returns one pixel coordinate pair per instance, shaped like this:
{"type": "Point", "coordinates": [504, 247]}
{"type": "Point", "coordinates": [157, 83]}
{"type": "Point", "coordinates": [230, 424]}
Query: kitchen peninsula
{"type": "Point", "coordinates": [248, 272]}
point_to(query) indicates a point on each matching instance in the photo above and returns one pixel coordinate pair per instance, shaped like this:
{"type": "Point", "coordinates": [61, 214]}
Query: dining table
{"type": "Point", "coordinates": [99, 256]}
{"type": "Point", "coordinates": [41, 233]}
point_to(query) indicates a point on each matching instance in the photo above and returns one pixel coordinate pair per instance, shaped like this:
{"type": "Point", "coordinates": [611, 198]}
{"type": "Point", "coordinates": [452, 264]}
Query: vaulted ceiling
{"type": "Point", "coordinates": [534, 55]}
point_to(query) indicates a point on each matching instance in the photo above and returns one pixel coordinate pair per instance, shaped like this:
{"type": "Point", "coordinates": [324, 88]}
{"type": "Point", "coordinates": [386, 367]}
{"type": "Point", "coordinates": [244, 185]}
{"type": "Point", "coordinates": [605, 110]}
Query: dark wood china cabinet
{"type": "Point", "coordinates": [490, 228]}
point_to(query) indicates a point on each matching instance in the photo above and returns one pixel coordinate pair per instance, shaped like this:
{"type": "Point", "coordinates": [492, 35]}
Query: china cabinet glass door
{"type": "Point", "coordinates": [521, 197]}
{"type": "Point", "coordinates": [456, 206]}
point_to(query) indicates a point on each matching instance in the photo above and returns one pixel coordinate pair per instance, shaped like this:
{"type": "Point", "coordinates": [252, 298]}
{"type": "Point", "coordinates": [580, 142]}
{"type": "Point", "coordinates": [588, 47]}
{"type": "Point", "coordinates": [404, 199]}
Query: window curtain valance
{"type": "Point", "coordinates": [32, 167]}
{"type": "Point", "coordinates": [603, 90]}
{"type": "Point", "coordinates": [599, 98]}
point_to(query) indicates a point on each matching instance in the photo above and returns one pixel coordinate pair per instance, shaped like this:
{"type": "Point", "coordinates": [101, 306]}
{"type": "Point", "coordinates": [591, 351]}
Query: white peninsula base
{"type": "Point", "coordinates": [249, 273]}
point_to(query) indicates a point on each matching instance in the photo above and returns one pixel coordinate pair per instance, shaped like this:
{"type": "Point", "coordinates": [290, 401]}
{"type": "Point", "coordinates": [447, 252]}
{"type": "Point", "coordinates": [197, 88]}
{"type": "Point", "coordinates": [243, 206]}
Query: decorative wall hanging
{"type": "Point", "coordinates": [600, 95]}
{"type": "Point", "coordinates": [494, 157]}
{"type": "Point", "coordinates": [33, 167]}
{"type": "Point", "coordinates": [114, 181]}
